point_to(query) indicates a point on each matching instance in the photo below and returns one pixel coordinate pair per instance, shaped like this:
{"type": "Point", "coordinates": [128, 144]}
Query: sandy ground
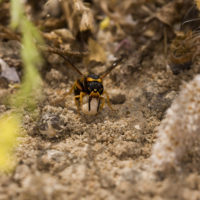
{"type": "Point", "coordinates": [70, 156]}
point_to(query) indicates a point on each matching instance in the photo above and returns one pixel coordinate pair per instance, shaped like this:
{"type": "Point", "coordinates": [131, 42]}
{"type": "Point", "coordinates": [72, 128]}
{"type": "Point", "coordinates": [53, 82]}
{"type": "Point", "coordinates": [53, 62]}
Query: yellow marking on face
{"type": "Point", "coordinates": [89, 79]}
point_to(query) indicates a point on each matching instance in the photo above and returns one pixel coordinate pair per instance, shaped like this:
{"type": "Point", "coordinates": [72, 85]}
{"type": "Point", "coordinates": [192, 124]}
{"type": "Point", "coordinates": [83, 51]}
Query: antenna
{"type": "Point", "coordinates": [60, 53]}
{"type": "Point", "coordinates": [114, 64]}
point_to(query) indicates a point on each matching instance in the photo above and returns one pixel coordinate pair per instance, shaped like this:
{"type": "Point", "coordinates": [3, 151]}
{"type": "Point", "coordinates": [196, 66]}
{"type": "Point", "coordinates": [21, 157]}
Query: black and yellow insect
{"type": "Point", "coordinates": [90, 88]}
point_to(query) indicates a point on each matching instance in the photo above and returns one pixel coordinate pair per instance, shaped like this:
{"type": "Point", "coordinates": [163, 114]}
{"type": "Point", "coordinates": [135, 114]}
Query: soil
{"type": "Point", "coordinates": [67, 155]}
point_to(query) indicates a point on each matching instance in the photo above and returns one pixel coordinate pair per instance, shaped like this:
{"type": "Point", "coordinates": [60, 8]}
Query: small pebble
{"type": "Point", "coordinates": [137, 127]}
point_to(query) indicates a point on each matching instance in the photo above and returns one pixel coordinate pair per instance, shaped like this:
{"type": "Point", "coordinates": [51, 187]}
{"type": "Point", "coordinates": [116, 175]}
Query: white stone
{"type": "Point", "coordinates": [137, 127]}
{"type": "Point", "coordinates": [93, 106]}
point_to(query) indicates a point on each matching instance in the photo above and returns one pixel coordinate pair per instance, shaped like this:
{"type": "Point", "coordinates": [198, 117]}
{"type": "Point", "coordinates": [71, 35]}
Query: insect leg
{"type": "Point", "coordinates": [108, 100]}
{"type": "Point", "coordinates": [72, 88]}
{"type": "Point", "coordinates": [82, 94]}
{"type": "Point", "coordinates": [102, 101]}
{"type": "Point", "coordinates": [90, 98]}
{"type": "Point", "coordinates": [99, 102]}
{"type": "Point", "coordinates": [60, 93]}
{"type": "Point", "coordinates": [77, 102]}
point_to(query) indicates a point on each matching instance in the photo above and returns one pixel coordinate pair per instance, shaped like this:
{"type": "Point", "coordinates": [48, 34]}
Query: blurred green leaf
{"type": "Point", "coordinates": [10, 129]}
{"type": "Point", "coordinates": [31, 58]}
{"type": "Point", "coordinates": [30, 88]}
{"type": "Point", "coordinates": [16, 13]}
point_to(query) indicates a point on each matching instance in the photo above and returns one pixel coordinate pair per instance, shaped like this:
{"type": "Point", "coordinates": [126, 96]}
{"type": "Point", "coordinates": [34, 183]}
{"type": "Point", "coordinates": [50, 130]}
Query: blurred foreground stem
{"type": "Point", "coordinates": [10, 123]}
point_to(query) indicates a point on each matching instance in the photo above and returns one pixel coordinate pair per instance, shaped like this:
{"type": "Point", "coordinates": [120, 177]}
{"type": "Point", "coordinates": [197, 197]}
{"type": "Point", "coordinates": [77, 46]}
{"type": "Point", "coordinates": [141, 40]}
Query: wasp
{"type": "Point", "coordinates": [89, 90]}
